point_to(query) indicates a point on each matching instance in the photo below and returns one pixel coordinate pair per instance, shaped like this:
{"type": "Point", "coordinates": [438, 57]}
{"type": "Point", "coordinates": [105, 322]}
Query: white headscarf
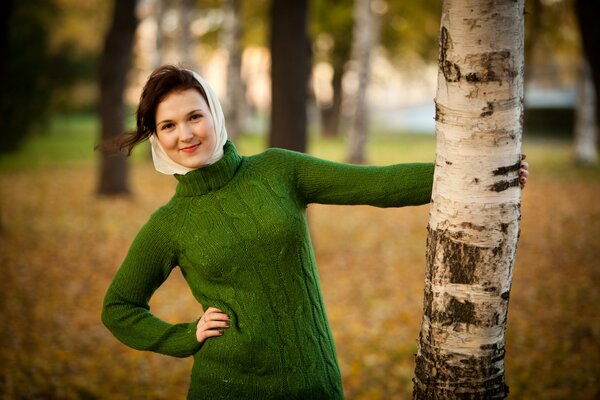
{"type": "Point", "coordinates": [163, 163]}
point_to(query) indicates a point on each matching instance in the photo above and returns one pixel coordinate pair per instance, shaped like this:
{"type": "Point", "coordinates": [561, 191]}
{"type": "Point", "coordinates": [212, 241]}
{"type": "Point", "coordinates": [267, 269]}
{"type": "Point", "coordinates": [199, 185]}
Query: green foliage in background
{"type": "Point", "coordinates": [26, 87]}
{"type": "Point", "coordinates": [552, 41]}
{"type": "Point", "coordinates": [50, 64]}
{"type": "Point", "coordinates": [409, 29]}
{"type": "Point", "coordinates": [331, 23]}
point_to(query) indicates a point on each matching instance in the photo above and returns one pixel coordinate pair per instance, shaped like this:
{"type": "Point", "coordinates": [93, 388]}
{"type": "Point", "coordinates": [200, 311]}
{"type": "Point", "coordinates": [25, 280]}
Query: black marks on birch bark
{"type": "Point", "coordinates": [487, 110]}
{"type": "Point", "coordinates": [507, 169]}
{"type": "Point", "coordinates": [503, 185]}
{"type": "Point", "coordinates": [428, 301]}
{"type": "Point", "coordinates": [469, 225]}
{"type": "Point", "coordinates": [460, 258]}
{"type": "Point", "coordinates": [494, 66]}
{"type": "Point", "coordinates": [455, 262]}
{"type": "Point", "coordinates": [431, 246]}
{"type": "Point", "coordinates": [430, 272]}
{"type": "Point", "coordinates": [450, 70]}
{"type": "Point", "coordinates": [459, 312]}
{"type": "Point", "coordinates": [437, 112]}
{"type": "Point", "coordinates": [442, 373]}
{"type": "Point", "coordinates": [439, 375]}
{"type": "Point", "coordinates": [522, 113]}
{"type": "Point", "coordinates": [455, 312]}
{"type": "Point", "coordinates": [472, 23]}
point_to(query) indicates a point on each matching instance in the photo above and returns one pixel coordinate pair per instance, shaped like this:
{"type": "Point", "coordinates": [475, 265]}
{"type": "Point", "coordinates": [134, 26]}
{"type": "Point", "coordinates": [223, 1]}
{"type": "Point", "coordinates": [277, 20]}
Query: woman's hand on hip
{"type": "Point", "coordinates": [212, 323]}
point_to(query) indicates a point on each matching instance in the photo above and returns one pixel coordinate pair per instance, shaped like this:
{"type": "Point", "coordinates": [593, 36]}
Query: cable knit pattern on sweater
{"type": "Point", "coordinates": [237, 229]}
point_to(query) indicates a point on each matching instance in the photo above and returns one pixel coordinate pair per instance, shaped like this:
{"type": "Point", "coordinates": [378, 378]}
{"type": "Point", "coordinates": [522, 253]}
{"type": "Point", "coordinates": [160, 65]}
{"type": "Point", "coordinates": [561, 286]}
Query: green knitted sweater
{"type": "Point", "coordinates": [237, 229]}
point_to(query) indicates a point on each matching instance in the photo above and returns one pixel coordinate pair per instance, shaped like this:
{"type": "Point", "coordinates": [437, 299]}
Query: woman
{"type": "Point", "coordinates": [236, 227]}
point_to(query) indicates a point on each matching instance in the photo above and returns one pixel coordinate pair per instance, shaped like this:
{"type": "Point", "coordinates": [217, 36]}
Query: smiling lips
{"type": "Point", "coordinates": [190, 149]}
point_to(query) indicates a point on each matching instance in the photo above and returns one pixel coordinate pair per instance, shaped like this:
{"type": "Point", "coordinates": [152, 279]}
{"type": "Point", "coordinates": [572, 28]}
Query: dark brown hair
{"type": "Point", "coordinates": [163, 81]}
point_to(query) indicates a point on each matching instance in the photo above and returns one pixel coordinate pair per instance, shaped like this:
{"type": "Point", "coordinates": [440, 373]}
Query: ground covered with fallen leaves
{"type": "Point", "coordinates": [60, 245]}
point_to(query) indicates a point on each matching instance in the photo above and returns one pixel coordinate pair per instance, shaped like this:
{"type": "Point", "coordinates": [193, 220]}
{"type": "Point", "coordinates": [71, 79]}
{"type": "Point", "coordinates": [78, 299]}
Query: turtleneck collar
{"type": "Point", "coordinates": [212, 177]}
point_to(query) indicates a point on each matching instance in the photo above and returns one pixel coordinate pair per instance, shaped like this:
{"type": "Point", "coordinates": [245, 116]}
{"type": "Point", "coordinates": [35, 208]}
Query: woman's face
{"type": "Point", "coordinates": [185, 128]}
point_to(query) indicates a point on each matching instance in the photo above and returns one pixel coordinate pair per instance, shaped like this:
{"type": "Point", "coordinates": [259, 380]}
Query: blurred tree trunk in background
{"type": "Point", "coordinates": [186, 48]}
{"type": "Point", "coordinates": [363, 40]}
{"type": "Point", "coordinates": [332, 20]}
{"type": "Point", "coordinates": [331, 116]}
{"type": "Point", "coordinates": [586, 128]}
{"type": "Point", "coordinates": [535, 11]}
{"type": "Point", "coordinates": [474, 217]}
{"type": "Point", "coordinates": [25, 61]}
{"type": "Point", "coordinates": [290, 68]}
{"type": "Point", "coordinates": [6, 9]}
{"type": "Point", "coordinates": [114, 67]}
{"type": "Point", "coordinates": [235, 99]}
{"type": "Point", "coordinates": [5, 12]}
{"type": "Point", "coordinates": [589, 27]}
{"type": "Point", "coordinates": [159, 13]}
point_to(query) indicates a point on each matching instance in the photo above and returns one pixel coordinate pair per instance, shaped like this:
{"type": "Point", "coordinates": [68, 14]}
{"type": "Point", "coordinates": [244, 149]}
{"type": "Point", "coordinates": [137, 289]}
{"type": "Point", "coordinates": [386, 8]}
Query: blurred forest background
{"type": "Point", "coordinates": [365, 79]}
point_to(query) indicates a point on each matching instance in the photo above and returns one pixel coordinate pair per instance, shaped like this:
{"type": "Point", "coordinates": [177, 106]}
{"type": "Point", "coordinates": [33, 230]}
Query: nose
{"type": "Point", "coordinates": [185, 133]}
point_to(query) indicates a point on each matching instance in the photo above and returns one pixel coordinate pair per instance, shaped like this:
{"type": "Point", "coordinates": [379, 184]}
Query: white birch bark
{"type": "Point", "coordinates": [474, 217]}
{"type": "Point", "coordinates": [586, 129]}
{"type": "Point", "coordinates": [363, 40]}
{"type": "Point", "coordinates": [231, 39]}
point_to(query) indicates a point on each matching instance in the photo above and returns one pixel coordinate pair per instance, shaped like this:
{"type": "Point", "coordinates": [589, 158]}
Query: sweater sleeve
{"type": "Point", "coordinates": [328, 182]}
{"type": "Point", "coordinates": [126, 312]}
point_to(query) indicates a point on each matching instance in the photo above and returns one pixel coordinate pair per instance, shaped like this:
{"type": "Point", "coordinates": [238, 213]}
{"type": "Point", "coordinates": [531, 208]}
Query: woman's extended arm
{"type": "Point", "coordinates": [327, 182]}
{"type": "Point", "coordinates": [126, 311]}
{"type": "Point", "coordinates": [397, 185]}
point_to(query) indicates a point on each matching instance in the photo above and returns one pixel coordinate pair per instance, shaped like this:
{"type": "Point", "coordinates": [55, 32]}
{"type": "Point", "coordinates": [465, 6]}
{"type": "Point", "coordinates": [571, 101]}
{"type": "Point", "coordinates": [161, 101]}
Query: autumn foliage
{"type": "Point", "coordinates": [60, 246]}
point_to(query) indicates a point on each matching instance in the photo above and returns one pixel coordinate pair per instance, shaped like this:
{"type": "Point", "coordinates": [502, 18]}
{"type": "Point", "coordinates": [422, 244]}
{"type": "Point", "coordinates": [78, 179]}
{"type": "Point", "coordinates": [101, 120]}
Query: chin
{"type": "Point", "coordinates": [194, 164]}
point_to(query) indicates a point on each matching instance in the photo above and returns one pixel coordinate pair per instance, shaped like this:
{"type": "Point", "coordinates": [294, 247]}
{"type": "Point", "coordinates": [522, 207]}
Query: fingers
{"type": "Point", "coordinates": [522, 181]}
{"type": "Point", "coordinates": [523, 171]}
{"type": "Point", "coordinates": [214, 314]}
{"type": "Point", "coordinates": [203, 335]}
{"type": "Point", "coordinates": [212, 323]}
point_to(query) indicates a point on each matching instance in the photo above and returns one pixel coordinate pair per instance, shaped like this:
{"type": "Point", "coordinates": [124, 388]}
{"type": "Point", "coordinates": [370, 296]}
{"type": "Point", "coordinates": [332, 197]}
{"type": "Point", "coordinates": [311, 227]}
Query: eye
{"type": "Point", "coordinates": [195, 117]}
{"type": "Point", "coordinates": [166, 126]}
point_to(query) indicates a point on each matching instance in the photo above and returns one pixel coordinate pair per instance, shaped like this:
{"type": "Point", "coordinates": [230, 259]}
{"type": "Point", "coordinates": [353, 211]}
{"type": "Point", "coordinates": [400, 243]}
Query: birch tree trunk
{"type": "Point", "coordinates": [474, 218]}
{"type": "Point", "coordinates": [586, 129]}
{"type": "Point", "coordinates": [235, 103]}
{"type": "Point", "coordinates": [363, 39]}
